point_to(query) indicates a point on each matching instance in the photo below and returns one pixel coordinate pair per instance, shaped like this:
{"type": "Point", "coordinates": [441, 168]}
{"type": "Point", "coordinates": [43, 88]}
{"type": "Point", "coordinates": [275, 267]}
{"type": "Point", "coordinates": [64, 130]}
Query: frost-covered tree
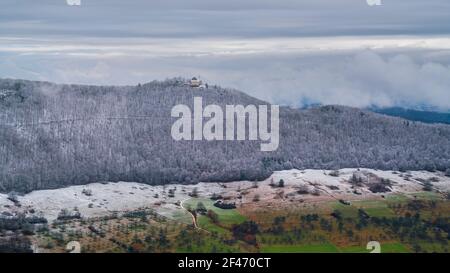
{"type": "Point", "coordinates": [57, 135]}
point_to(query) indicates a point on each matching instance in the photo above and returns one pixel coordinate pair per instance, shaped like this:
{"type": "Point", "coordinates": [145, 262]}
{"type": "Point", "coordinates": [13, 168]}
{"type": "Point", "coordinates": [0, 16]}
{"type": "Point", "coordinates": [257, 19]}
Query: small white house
{"type": "Point", "coordinates": [194, 82]}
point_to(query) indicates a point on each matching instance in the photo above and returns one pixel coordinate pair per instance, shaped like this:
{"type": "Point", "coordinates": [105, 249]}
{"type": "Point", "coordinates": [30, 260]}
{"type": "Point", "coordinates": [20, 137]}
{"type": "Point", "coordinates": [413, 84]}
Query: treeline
{"type": "Point", "coordinates": [20, 223]}
{"type": "Point", "coordinates": [53, 136]}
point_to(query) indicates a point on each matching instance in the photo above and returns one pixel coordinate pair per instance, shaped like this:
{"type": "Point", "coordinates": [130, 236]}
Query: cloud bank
{"type": "Point", "coordinates": [361, 79]}
{"type": "Point", "coordinates": [291, 52]}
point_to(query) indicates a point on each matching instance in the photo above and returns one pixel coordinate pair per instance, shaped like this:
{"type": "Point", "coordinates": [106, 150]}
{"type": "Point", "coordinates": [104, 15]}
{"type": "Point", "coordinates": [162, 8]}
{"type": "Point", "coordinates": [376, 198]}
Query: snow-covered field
{"type": "Point", "coordinates": [102, 199]}
{"type": "Point", "coordinates": [402, 182]}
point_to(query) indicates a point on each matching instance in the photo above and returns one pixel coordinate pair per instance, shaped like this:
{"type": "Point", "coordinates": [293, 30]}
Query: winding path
{"type": "Point", "coordinates": [194, 219]}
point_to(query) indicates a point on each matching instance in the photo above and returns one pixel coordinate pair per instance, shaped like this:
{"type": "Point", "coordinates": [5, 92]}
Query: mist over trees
{"type": "Point", "coordinates": [53, 136]}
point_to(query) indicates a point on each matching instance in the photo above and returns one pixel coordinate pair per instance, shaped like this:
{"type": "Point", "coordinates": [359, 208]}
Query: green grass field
{"type": "Point", "coordinates": [313, 248]}
{"type": "Point", "coordinates": [347, 211]}
{"type": "Point", "coordinates": [397, 198]}
{"type": "Point", "coordinates": [375, 208]}
{"type": "Point", "coordinates": [227, 217]}
{"type": "Point", "coordinates": [385, 248]}
{"type": "Point", "coordinates": [206, 223]}
{"type": "Point", "coordinates": [425, 195]}
{"type": "Point", "coordinates": [181, 216]}
{"type": "Point", "coordinates": [372, 208]}
{"type": "Point", "coordinates": [317, 241]}
{"type": "Point", "coordinates": [331, 248]}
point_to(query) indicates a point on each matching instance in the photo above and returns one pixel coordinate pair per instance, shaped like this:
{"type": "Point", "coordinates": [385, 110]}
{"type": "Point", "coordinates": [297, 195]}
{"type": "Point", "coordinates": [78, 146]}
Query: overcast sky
{"type": "Point", "coordinates": [285, 51]}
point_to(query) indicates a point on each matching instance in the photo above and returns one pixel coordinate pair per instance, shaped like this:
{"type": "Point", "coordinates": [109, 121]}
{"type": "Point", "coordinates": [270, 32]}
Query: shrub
{"type": "Point", "coordinates": [213, 216]}
{"type": "Point", "coordinates": [447, 172]}
{"type": "Point", "coordinates": [427, 186]}
{"type": "Point", "coordinates": [65, 214]}
{"type": "Point", "coordinates": [379, 187]}
{"type": "Point", "coordinates": [303, 189]}
{"type": "Point", "coordinates": [334, 173]}
{"type": "Point", "coordinates": [256, 198]}
{"type": "Point", "coordinates": [194, 193]}
{"type": "Point", "coordinates": [215, 196]}
{"type": "Point", "coordinates": [171, 193]}
{"type": "Point", "coordinates": [201, 208]}
{"type": "Point", "coordinates": [224, 205]}
{"type": "Point", "coordinates": [87, 192]}
{"type": "Point", "coordinates": [13, 197]}
{"type": "Point", "coordinates": [246, 231]}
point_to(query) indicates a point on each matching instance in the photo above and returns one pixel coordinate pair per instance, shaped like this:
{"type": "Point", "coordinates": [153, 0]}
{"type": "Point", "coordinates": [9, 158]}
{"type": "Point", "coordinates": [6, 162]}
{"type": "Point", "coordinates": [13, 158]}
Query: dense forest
{"type": "Point", "coordinates": [57, 135]}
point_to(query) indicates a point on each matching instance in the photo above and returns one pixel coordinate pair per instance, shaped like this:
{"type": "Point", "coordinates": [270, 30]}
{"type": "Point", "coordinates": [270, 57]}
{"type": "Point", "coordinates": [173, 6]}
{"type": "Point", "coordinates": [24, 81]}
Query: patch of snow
{"type": "Point", "coordinates": [105, 198]}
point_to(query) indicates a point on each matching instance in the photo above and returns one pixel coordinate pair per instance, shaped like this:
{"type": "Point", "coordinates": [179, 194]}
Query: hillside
{"type": "Point", "coordinates": [57, 135]}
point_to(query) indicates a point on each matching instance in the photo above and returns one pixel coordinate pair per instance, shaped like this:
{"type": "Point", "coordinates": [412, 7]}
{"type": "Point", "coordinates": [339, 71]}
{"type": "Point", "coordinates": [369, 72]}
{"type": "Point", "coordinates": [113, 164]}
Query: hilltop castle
{"type": "Point", "coordinates": [194, 82]}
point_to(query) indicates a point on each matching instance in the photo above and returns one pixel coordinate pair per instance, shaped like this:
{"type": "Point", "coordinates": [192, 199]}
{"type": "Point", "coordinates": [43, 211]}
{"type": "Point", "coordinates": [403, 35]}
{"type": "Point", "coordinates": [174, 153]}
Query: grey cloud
{"type": "Point", "coordinates": [360, 79]}
{"type": "Point", "coordinates": [206, 18]}
{"type": "Point", "coordinates": [357, 78]}
{"type": "Point", "coordinates": [60, 45]}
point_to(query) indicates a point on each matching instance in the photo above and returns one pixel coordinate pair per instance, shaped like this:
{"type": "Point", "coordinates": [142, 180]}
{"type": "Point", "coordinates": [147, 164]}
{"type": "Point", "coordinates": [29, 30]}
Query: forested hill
{"type": "Point", "coordinates": [416, 115]}
{"type": "Point", "coordinates": [57, 135]}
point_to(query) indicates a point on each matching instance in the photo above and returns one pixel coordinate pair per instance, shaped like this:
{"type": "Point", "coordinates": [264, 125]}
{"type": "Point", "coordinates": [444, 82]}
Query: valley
{"type": "Point", "coordinates": [291, 211]}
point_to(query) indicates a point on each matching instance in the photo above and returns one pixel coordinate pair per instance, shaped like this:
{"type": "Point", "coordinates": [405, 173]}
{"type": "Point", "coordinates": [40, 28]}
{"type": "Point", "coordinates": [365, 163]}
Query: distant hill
{"type": "Point", "coordinates": [57, 135]}
{"type": "Point", "coordinates": [415, 115]}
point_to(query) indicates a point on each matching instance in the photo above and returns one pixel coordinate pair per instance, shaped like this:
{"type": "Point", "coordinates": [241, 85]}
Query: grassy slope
{"type": "Point", "coordinates": [377, 208]}
{"type": "Point", "coordinates": [227, 217]}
